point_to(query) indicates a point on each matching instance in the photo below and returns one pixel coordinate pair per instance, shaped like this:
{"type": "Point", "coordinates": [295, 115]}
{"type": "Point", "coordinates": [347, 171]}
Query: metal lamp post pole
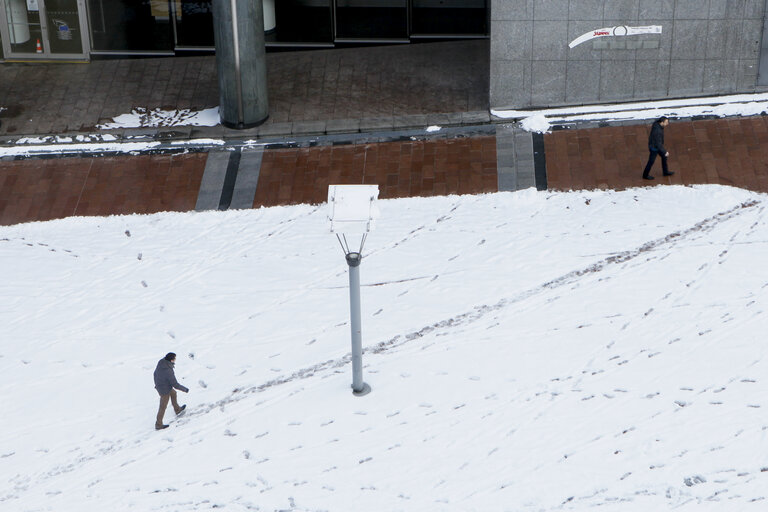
{"type": "Point", "coordinates": [359, 387]}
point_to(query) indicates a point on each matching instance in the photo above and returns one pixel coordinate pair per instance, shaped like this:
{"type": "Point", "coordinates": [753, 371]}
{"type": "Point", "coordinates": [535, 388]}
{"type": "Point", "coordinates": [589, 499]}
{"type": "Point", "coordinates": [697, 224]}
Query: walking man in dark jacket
{"type": "Point", "coordinates": [165, 381]}
{"type": "Point", "coordinates": [656, 147]}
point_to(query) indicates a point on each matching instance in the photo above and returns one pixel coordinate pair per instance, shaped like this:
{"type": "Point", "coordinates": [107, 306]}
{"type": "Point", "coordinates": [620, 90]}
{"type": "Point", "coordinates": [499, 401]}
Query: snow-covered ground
{"type": "Point", "coordinates": [528, 351]}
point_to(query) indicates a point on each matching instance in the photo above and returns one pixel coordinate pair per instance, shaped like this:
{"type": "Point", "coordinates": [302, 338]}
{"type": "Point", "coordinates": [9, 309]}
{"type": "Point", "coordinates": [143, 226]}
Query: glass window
{"type": "Point", "coordinates": [25, 30]}
{"type": "Point", "coordinates": [64, 26]}
{"type": "Point", "coordinates": [449, 17]}
{"type": "Point", "coordinates": [371, 19]}
{"type": "Point", "coordinates": [130, 25]}
{"type": "Point", "coordinates": [194, 23]}
{"type": "Point", "coordinates": [297, 21]}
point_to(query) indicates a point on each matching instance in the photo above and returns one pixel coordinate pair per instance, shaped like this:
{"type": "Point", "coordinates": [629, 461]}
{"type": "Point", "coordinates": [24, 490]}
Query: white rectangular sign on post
{"type": "Point", "coordinates": [352, 208]}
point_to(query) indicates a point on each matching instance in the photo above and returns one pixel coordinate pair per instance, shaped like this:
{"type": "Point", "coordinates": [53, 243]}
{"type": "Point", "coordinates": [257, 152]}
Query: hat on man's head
{"type": "Point", "coordinates": [170, 356]}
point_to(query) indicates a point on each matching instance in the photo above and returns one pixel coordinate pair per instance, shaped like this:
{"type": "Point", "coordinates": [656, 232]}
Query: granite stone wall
{"type": "Point", "coordinates": [706, 47]}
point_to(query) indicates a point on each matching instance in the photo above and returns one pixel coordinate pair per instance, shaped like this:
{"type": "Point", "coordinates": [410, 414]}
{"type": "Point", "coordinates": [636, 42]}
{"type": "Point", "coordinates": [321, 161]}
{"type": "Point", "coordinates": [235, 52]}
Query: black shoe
{"type": "Point", "coordinates": [182, 409]}
{"type": "Point", "coordinates": [649, 177]}
{"type": "Point", "coordinates": [670, 173]}
{"type": "Point", "coordinates": [161, 427]}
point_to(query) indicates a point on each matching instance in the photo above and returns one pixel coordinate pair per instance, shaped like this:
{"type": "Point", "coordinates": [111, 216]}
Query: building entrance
{"type": "Point", "coordinates": [43, 29]}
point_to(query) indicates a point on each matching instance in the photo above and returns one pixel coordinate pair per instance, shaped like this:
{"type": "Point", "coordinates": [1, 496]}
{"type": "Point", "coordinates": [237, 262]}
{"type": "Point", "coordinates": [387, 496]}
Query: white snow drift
{"type": "Point", "coordinates": [529, 351]}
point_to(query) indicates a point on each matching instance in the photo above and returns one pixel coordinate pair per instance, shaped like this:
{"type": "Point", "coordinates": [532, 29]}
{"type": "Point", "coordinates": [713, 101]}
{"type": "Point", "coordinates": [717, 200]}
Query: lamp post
{"type": "Point", "coordinates": [352, 210]}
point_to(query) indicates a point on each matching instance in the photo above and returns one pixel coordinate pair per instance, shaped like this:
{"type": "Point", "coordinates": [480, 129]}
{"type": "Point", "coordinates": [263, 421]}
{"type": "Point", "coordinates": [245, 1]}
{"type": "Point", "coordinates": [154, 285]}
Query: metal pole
{"type": "Point", "coordinates": [238, 76]}
{"type": "Point", "coordinates": [359, 387]}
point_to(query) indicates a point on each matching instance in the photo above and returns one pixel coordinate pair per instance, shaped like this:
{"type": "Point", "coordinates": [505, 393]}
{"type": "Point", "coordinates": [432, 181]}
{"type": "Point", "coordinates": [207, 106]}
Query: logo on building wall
{"type": "Point", "coordinates": [620, 30]}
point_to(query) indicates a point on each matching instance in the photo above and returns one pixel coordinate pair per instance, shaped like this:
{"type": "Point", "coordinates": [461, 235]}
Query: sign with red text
{"type": "Point", "coordinates": [620, 30]}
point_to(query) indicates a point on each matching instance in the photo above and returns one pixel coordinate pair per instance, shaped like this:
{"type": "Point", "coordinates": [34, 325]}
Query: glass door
{"type": "Point", "coordinates": [371, 21]}
{"type": "Point", "coordinates": [43, 29]}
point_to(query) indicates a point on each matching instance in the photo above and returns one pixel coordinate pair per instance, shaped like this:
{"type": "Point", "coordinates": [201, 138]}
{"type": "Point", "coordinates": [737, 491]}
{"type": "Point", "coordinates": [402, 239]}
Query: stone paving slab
{"type": "Point", "coordinates": [401, 169]}
{"type": "Point", "coordinates": [374, 85]}
{"type": "Point", "coordinates": [45, 189]}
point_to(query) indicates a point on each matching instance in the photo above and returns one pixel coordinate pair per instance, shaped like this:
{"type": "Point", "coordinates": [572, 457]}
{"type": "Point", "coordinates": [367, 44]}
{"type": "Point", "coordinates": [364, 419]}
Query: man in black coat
{"type": "Point", "coordinates": [165, 382]}
{"type": "Point", "coordinates": [656, 147]}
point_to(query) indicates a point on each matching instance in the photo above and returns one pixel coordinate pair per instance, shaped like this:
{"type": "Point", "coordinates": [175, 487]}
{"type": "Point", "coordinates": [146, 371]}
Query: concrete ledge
{"type": "Point", "coordinates": [438, 120]}
{"type": "Point", "coordinates": [270, 130]}
{"type": "Point", "coordinates": [373, 124]}
{"type": "Point", "coordinates": [204, 132]}
{"type": "Point", "coordinates": [342, 126]}
{"type": "Point", "coordinates": [411, 121]}
{"type": "Point", "coordinates": [135, 133]}
{"type": "Point", "coordinates": [308, 128]}
{"type": "Point", "coordinates": [477, 117]}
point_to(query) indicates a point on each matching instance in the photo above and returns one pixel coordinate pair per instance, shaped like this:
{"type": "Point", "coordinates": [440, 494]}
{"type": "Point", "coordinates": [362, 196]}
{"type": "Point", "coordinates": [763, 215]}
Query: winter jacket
{"type": "Point", "coordinates": [165, 379]}
{"type": "Point", "coordinates": [656, 138]}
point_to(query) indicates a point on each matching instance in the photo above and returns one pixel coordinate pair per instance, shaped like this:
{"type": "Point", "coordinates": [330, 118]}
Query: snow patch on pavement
{"type": "Point", "coordinates": [142, 117]}
{"type": "Point", "coordinates": [721, 106]}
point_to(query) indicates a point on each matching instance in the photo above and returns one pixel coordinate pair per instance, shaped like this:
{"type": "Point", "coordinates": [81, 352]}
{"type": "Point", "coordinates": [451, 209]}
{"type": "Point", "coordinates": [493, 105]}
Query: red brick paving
{"type": "Point", "coordinates": [45, 189]}
{"type": "Point", "coordinates": [401, 169]}
{"type": "Point", "coordinates": [723, 151]}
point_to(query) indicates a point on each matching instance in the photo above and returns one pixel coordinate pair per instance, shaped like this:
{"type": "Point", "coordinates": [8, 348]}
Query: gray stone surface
{"type": "Point", "coordinates": [551, 10]}
{"type": "Point", "coordinates": [583, 84]}
{"type": "Point", "coordinates": [655, 10]}
{"type": "Point", "coordinates": [308, 127]}
{"type": "Point", "coordinates": [686, 77]}
{"type": "Point", "coordinates": [512, 10]}
{"type": "Point", "coordinates": [717, 32]}
{"type": "Point", "coordinates": [548, 82]}
{"type": "Point", "coordinates": [340, 85]}
{"type": "Point", "coordinates": [373, 124]}
{"type": "Point", "coordinates": [410, 121]}
{"type": "Point", "coordinates": [273, 129]}
{"type": "Point", "coordinates": [247, 179]}
{"type": "Point", "coordinates": [688, 39]}
{"type": "Point", "coordinates": [617, 78]}
{"type": "Point", "coordinates": [512, 40]}
{"type": "Point", "coordinates": [585, 9]}
{"type": "Point", "coordinates": [213, 181]}
{"type": "Point", "coordinates": [706, 47]}
{"type": "Point", "coordinates": [624, 10]}
{"type": "Point", "coordinates": [515, 168]}
{"type": "Point", "coordinates": [652, 77]}
{"type": "Point", "coordinates": [549, 40]}
{"type": "Point", "coordinates": [476, 117]}
{"type": "Point", "coordinates": [692, 9]}
{"type": "Point", "coordinates": [510, 83]}
{"type": "Point", "coordinates": [342, 126]}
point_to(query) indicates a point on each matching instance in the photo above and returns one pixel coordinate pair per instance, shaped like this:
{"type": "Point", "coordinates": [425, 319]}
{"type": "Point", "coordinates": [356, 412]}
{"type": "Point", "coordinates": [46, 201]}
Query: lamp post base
{"type": "Point", "coordinates": [366, 389]}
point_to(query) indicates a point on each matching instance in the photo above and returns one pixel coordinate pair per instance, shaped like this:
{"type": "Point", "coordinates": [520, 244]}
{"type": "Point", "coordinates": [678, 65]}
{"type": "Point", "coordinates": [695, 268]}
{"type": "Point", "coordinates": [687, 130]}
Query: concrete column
{"type": "Point", "coordinates": [241, 62]}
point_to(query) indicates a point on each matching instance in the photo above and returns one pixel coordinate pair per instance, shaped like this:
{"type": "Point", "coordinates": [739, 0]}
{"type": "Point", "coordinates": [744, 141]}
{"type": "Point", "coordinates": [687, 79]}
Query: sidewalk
{"type": "Point", "coordinates": [337, 116]}
{"type": "Point", "coordinates": [310, 92]}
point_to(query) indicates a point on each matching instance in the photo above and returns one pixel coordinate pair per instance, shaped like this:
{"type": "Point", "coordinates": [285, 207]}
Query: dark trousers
{"type": "Point", "coordinates": [652, 159]}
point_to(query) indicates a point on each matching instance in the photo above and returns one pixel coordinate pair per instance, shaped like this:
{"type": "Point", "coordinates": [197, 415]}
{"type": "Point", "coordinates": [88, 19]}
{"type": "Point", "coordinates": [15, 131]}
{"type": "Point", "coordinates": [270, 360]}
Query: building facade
{"type": "Point", "coordinates": [542, 52]}
{"type": "Point", "coordinates": [572, 52]}
{"type": "Point", "coordinates": [80, 29]}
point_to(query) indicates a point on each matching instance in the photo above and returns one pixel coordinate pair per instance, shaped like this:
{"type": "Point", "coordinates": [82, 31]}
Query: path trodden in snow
{"type": "Point", "coordinates": [530, 351]}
